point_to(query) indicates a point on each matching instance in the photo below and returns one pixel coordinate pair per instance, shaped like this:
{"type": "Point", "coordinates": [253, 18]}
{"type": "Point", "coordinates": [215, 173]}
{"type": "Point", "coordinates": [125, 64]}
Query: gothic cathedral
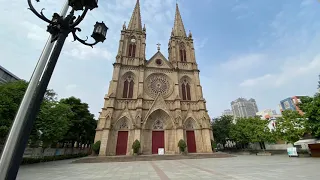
{"type": "Point", "coordinates": [157, 101]}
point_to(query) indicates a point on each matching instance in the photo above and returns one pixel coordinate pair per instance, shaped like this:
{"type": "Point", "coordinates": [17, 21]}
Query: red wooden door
{"type": "Point", "coordinates": [122, 142]}
{"type": "Point", "coordinates": [157, 141]}
{"type": "Point", "coordinates": [191, 142]}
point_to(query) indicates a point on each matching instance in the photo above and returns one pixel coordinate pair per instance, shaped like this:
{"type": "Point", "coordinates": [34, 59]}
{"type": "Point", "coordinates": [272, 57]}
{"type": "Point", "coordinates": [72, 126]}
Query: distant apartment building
{"type": "Point", "coordinates": [266, 114]}
{"type": "Point", "coordinates": [6, 76]}
{"type": "Point", "coordinates": [227, 112]}
{"type": "Point", "coordinates": [242, 107]}
{"type": "Point", "coordinates": [290, 103]}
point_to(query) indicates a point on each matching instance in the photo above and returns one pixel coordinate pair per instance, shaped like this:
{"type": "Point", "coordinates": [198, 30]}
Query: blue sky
{"type": "Point", "coordinates": [267, 49]}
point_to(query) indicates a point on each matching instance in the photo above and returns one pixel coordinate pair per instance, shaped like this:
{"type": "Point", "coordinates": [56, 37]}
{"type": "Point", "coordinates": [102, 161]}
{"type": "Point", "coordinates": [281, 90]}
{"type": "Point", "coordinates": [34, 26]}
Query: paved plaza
{"type": "Point", "coordinates": [242, 167]}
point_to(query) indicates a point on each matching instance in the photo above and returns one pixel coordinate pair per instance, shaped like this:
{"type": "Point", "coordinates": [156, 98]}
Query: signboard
{"type": "Point", "coordinates": [292, 151]}
{"type": "Point", "coordinates": [160, 151]}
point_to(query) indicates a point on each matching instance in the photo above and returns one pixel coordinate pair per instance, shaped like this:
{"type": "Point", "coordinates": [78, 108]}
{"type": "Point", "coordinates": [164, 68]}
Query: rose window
{"type": "Point", "coordinates": [158, 84]}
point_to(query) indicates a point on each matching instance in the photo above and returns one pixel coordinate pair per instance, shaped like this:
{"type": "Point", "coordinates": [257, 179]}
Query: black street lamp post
{"type": "Point", "coordinates": [59, 27]}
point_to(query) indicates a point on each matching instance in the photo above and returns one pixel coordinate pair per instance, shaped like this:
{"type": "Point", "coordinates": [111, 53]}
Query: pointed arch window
{"type": "Point", "coordinates": [128, 86]}
{"type": "Point", "coordinates": [185, 88]}
{"type": "Point", "coordinates": [132, 48]}
{"type": "Point", "coordinates": [183, 53]}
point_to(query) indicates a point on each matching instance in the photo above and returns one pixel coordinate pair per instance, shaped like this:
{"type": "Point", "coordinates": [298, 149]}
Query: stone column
{"type": "Point", "coordinates": [206, 140]}
{"type": "Point", "coordinates": [105, 138]}
{"type": "Point", "coordinates": [104, 142]}
{"type": "Point", "coordinates": [179, 135]}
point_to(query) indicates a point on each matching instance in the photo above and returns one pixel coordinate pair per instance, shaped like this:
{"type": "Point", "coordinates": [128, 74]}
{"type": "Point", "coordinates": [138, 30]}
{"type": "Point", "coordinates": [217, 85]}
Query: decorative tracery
{"type": "Point", "coordinates": [158, 124]}
{"type": "Point", "coordinates": [189, 125]}
{"type": "Point", "coordinates": [158, 84]}
{"type": "Point", "coordinates": [123, 124]}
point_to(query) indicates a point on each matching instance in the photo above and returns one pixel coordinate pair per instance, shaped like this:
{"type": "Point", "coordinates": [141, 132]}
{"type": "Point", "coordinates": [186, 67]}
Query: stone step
{"type": "Point", "coordinates": [102, 159]}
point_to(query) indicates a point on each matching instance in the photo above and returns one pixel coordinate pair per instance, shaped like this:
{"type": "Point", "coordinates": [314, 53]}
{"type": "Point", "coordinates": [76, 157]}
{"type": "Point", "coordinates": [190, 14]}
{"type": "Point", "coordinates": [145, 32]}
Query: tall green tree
{"type": "Point", "coordinates": [260, 131]}
{"type": "Point", "coordinates": [221, 129]}
{"type": "Point", "coordinates": [291, 126]}
{"type": "Point", "coordinates": [241, 131]}
{"type": "Point", "coordinates": [252, 130]}
{"type": "Point", "coordinates": [11, 95]}
{"type": "Point", "coordinates": [52, 122]}
{"type": "Point", "coordinates": [82, 122]}
{"type": "Point", "coordinates": [311, 107]}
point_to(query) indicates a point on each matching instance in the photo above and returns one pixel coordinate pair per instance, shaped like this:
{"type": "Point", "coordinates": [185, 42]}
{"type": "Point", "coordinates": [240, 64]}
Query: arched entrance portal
{"type": "Point", "coordinates": [122, 137]}
{"type": "Point", "coordinates": [158, 132]}
{"type": "Point", "coordinates": [157, 135]}
{"type": "Point", "coordinates": [190, 135]}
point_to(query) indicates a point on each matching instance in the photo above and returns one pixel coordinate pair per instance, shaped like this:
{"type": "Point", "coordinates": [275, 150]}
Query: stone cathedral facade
{"type": "Point", "coordinates": [157, 101]}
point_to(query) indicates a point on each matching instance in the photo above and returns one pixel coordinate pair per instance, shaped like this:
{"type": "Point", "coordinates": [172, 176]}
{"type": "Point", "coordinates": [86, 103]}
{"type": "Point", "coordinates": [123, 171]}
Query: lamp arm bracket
{"type": "Point", "coordinates": [75, 37]}
{"type": "Point", "coordinates": [41, 15]}
{"type": "Point", "coordinates": [80, 18]}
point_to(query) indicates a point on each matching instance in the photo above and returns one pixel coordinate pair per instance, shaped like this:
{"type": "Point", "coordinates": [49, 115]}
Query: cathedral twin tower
{"type": "Point", "coordinates": [157, 101]}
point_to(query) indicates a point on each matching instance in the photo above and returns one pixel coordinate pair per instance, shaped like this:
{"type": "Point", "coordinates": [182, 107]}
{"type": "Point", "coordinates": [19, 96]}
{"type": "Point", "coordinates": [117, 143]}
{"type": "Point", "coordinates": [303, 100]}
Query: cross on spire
{"type": "Point", "coordinates": [158, 46]}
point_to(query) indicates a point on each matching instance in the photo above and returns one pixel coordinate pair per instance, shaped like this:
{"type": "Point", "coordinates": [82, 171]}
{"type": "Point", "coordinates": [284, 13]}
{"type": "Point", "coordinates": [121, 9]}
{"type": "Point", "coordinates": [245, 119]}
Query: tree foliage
{"type": "Point", "coordinates": [251, 130]}
{"type": "Point", "coordinates": [82, 122]}
{"type": "Point", "coordinates": [52, 122]}
{"type": "Point", "coordinates": [291, 126]}
{"type": "Point", "coordinates": [221, 129]}
{"type": "Point", "coordinates": [311, 107]}
{"type": "Point", "coordinates": [10, 97]}
{"type": "Point", "coordinates": [55, 120]}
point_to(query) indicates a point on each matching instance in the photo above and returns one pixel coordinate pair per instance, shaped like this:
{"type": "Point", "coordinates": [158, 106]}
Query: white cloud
{"type": "Point", "coordinates": [289, 72]}
{"type": "Point", "coordinates": [80, 51]}
{"type": "Point", "coordinates": [71, 87]}
{"type": "Point", "coordinates": [244, 62]}
{"type": "Point", "coordinates": [34, 31]}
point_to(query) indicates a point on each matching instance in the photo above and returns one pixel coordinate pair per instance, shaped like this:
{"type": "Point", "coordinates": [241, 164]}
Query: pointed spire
{"type": "Point", "coordinates": [178, 29]}
{"type": "Point", "coordinates": [135, 21]}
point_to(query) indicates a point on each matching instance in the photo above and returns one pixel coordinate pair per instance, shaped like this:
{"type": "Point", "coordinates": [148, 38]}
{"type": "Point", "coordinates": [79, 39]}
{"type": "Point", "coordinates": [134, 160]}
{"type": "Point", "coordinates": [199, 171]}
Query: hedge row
{"type": "Point", "coordinates": [51, 158]}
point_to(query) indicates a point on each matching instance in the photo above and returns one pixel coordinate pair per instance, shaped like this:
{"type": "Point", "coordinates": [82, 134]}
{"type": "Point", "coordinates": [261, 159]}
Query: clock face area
{"type": "Point", "coordinates": [133, 40]}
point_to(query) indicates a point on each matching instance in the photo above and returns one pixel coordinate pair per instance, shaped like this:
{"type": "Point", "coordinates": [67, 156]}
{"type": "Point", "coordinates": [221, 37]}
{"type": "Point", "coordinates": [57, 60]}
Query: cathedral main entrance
{"type": "Point", "coordinates": [158, 133]}
{"type": "Point", "coordinates": [122, 142]}
{"type": "Point", "coordinates": [157, 141]}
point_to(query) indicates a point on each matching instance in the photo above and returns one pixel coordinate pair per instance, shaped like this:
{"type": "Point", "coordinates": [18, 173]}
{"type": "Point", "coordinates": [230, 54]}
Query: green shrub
{"type": "Point", "coordinates": [213, 145]}
{"type": "Point", "coordinates": [29, 160]}
{"type": "Point", "coordinates": [96, 147]}
{"type": "Point", "coordinates": [136, 146]}
{"type": "Point", "coordinates": [182, 145]}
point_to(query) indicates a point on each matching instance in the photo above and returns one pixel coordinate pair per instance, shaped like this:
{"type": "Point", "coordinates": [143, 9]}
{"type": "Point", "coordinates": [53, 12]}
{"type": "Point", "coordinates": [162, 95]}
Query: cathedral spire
{"type": "Point", "coordinates": [135, 21]}
{"type": "Point", "coordinates": [178, 29]}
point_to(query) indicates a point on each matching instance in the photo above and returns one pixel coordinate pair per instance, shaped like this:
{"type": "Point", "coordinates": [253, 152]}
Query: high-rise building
{"type": "Point", "coordinates": [242, 107]}
{"type": "Point", "coordinates": [227, 112]}
{"type": "Point", "coordinates": [6, 76]}
{"type": "Point", "coordinates": [157, 101]}
{"type": "Point", "coordinates": [291, 103]}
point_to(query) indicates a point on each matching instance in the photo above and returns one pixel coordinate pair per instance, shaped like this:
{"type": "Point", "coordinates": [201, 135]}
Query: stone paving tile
{"type": "Point", "coordinates": [238, 168]}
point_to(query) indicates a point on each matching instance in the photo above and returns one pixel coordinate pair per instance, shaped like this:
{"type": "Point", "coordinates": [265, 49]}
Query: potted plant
{"type": "Point", "coordinates": [182, 146]}
{"type": "Point", "coordinates": [213, 146]}
{"type": "Point", "coordinates": [136, 147]}
{"type": "Point", "coordinates": [96, 147]}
